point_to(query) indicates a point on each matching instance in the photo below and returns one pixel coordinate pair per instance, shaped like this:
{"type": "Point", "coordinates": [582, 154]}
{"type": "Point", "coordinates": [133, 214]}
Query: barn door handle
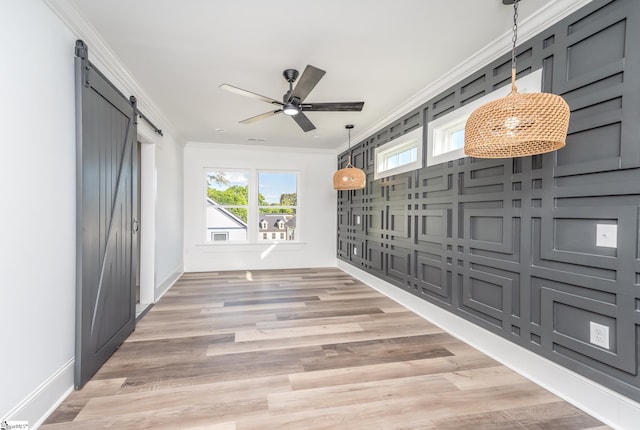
{"type": "Point", "coordinates": [136, 226]}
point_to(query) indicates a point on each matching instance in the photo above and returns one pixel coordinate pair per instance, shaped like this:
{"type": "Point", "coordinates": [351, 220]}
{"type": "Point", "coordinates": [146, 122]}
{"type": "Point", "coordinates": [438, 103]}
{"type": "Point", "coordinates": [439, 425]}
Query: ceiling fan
{"type": "Point", "coordinates": [292, 101]}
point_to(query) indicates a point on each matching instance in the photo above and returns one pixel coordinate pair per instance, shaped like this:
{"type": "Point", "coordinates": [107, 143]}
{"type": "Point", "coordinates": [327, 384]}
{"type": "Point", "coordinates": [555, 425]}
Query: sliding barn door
{"type": "Point", "coordinates": [106, 238]}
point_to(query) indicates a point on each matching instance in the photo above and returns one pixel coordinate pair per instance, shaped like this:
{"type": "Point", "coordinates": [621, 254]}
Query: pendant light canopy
{"type": "Point", "coordinates": [349, 178]}
{"type": "Point", "coordinates": [519, 124]}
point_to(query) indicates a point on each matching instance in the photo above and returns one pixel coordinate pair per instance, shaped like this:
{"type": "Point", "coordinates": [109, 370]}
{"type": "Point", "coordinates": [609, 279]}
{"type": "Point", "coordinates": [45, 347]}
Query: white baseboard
{"type": "Point", "coordinates": [604, 404]}
{"type": "Point", "coordinates": [164, 286]}
{"type": "Point", "coordinates": [42, 401]}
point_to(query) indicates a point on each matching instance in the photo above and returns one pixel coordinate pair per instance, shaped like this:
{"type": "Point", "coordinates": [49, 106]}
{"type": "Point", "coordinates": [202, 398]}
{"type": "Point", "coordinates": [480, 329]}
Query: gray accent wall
{"type": "Point", "coordinates": [510, 244]}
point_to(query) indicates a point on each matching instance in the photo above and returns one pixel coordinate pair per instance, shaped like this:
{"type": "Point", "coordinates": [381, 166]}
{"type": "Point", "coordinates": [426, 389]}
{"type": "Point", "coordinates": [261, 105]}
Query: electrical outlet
{"type": "Point", "coordinates": [599, 334]}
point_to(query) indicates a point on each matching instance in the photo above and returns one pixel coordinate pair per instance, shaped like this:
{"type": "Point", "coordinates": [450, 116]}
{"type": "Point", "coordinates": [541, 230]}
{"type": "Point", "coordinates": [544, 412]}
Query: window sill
{"type": "Point", "coordinates": [251, 246]}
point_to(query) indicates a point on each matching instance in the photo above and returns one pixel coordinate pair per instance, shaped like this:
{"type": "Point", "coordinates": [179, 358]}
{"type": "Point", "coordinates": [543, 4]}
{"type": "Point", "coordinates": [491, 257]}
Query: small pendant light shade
{"type": "Point", "coordinates": [349, 178]}
{"type": "Point", "coordinates": [519, 124]}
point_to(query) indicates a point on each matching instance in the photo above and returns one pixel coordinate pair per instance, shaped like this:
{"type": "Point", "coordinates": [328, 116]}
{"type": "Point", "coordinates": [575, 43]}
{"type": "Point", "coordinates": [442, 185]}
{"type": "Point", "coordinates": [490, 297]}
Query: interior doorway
{"type": "Point", "coordinates": [145, 276]}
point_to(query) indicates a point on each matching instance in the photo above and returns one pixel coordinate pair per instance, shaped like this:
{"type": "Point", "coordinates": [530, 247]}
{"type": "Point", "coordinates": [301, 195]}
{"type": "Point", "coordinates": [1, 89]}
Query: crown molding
{"type": "Point", "coordinates": [527, 29]}
{"type": "Point", "coordinates": [240, 147]}
{"type": "Point", "coordinates": [101, 54]}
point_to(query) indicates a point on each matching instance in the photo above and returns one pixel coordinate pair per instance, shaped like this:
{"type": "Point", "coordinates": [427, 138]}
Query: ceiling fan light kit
{"type": "Point", "coordinates": [517, 125]}
{"type": "Point", "coordinates": [349, 177]}
{"type": "Point", "coordinates": [292, 101]}
{"type": "Point", "coordinates": [291, 109]}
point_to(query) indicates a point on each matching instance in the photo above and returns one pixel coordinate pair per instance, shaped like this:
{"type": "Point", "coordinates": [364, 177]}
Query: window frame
{"type": "Point", "coordinates": [407, 142]}
{"type": "Point", "coordinates": [254, 236]}
{"type": "Point", "coordinates": [296, 208]}
{"type": "Point", "coordinates": [247, 207]}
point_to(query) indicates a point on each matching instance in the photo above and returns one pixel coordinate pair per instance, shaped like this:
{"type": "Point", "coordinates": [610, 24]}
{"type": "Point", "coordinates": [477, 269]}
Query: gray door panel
{"type": "Point", "coordinates": [106, 187]}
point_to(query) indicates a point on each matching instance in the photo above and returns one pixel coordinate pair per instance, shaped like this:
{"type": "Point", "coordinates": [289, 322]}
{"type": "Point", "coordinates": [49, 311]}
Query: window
{"type": "Point", "coordinates": [400, 155]}
{"type": "Point", "coordinates": [445, 135]}
{"type": "Point", "coordinates": [227, 205]}
{"type": "Point", "coordinates": [278, 203]}
{"type": "Point", "coordinates": [250, 206]}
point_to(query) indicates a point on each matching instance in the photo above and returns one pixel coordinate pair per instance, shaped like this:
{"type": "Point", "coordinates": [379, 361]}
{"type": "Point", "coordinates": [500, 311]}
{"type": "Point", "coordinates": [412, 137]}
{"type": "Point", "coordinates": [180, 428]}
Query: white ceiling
{"type": "Point", "coordinates": [381, 52]}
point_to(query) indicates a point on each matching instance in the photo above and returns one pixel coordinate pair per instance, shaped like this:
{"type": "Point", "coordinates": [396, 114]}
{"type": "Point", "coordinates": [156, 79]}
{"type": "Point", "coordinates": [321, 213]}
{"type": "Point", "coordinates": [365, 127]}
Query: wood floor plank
{"type": "Point", "coordinates": [300, 349]}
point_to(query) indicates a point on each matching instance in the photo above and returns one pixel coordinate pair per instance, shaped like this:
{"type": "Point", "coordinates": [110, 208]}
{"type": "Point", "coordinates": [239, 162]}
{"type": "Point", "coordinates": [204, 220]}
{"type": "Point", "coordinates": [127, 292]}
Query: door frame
{"type": "Point", "coordinates": [148, 143]}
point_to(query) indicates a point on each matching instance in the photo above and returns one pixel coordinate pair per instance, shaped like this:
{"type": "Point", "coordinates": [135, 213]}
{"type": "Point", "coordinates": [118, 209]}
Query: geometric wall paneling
{"type": "Point", "coordinates": [432, 276]}
{"type": "Point", "coordinates": [490, 230]}
{"type": "Point", "coordinates": [570, 235]}
{"type": "Point", "coordinates": [398, 225]}
{"type": "Point", "coordinates": [375, 257]}
{"type": "Point", "coordinates": [487, 297]}
{"type": "Point", "coordinates": [603, 31]}
{"type": "Point", "coordinates": [398, 267]}
{"type": "Point", "coordinates": [510, 244]}
{"type": "Point", "coordinates": [568, 267]}
{"type": "Point", "coordinates": [565, 322]}
{"type": "Point", "coordinates": [466, 206]}
{"type": "Point", "coordinates": [358, 220]}
{"type": "Point", "coordinates": [431, 227]}
{"type": "Point", "coordinates": [411, 121]}
{"type": "Point", "coordinates": [594, 89]}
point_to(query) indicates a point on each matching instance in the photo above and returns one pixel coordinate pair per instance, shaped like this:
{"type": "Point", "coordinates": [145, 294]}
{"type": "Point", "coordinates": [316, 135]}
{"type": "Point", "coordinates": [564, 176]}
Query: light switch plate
{"type": "Point", "coordinates": [607, 235]}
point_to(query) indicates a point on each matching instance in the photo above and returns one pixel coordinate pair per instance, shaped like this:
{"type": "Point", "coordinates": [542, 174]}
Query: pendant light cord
{"type": "Point", "coordinates": [514, 39]}
{"type": "Point", "coordinates": [349, 147]}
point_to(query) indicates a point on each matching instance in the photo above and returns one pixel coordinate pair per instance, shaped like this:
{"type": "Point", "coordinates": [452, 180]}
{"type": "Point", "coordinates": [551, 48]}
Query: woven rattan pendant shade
{"type": "Point", "coordinates": [349, 177]}
{"type": "Point", "coordinates": [519, 124]}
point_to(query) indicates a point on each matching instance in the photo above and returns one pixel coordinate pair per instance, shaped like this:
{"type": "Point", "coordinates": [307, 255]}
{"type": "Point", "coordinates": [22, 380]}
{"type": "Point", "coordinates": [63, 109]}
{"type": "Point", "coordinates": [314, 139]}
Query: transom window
{"type": "Point", "coordinates": [400, 155]}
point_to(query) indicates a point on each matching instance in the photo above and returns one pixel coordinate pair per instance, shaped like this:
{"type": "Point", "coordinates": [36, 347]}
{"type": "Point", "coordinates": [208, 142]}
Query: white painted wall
{"type": "Point", "coordinates": [316, 212]}
{"type": "Point", "coordinates": [37, 215]}
{"type": "Point", "coordinates": [37, 170]}
{"type": "Point", "coordinates": [169, 213]}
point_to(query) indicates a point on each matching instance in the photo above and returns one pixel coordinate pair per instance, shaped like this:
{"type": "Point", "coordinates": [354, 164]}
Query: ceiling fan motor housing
{"type": "Point", "coordinates": [290, 75]}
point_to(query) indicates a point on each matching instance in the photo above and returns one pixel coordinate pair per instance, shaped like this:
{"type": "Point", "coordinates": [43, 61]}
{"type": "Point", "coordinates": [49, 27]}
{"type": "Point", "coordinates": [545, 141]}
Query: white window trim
{"type": "Point", "coordinates": [206, 172]}
{"type": "Point", "coordinates": [439, 129]}
{"type": "Point", "coordinates": [253, 210]}
{"type": "Point", "coordinates": [413, 139]}
{"type": "Point", "coordinates": [295, 208]}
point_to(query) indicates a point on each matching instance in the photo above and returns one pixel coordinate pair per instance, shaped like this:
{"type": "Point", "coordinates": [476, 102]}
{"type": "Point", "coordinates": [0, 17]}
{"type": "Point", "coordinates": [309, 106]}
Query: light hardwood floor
{"type": "Point", "coordinates": [301, 349]}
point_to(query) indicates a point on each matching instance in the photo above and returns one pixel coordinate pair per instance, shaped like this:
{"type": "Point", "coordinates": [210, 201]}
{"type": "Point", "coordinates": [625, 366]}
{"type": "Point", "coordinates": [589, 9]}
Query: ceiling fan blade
{"type": "Point", "coordinates": [246, 93]}
{"type": "Point", "coordinates": [333, 107]}
{"type": "Point", "coordinates": [307, 82]}
{"type": "Point", "coordinates": [259, 117]}
{"type": "Point", "coordinates": [304, 122]}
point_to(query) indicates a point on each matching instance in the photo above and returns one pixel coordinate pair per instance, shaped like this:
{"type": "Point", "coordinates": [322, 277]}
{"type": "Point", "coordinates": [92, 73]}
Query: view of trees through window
{"type": "Point", "coordinates": [228, 205]}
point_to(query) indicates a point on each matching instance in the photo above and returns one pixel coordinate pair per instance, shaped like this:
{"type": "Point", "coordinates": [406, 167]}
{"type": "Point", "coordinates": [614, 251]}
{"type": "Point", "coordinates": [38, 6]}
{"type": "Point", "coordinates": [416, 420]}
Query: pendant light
{"type": "Point", "coordinates": [519, 124]}
{"type": "Point", "coordinates": [349, 178]}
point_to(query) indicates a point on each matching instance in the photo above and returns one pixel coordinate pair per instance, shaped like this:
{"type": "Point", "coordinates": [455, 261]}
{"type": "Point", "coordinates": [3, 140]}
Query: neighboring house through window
{"type": "Point", "coordinates": [236, 197]}
{"type": "Point", "coordinates": [227, 205]}
{"type": "Point", "coordinates": [278, 204]}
